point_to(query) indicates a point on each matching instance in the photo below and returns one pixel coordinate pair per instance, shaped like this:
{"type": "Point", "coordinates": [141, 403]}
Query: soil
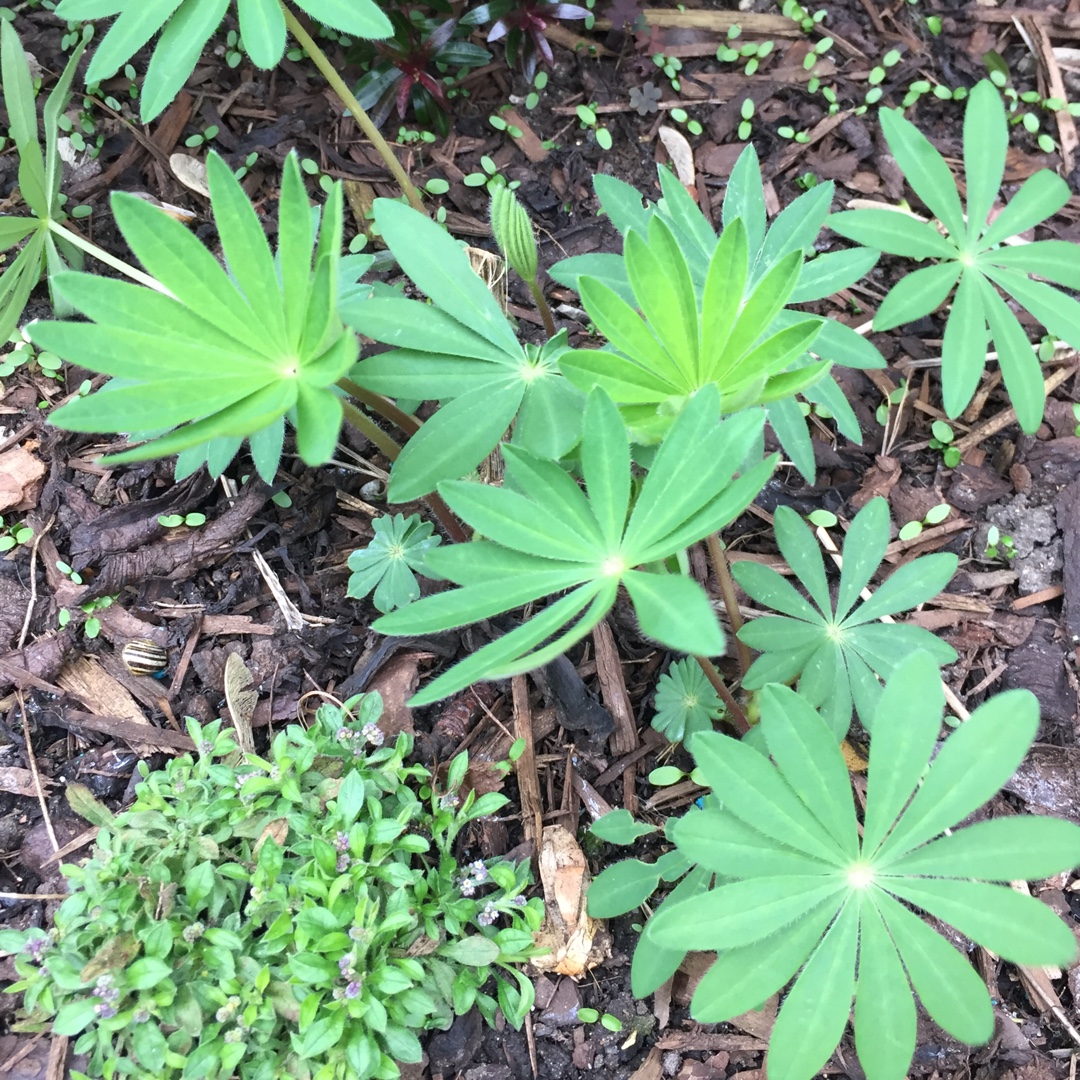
{"type": "Point", "coordinates": [70, 710]}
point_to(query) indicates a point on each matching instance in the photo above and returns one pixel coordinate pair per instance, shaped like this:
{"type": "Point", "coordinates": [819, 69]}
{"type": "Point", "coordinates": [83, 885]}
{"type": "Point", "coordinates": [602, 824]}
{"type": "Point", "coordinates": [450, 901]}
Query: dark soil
{"type": "Point", "coordinates": [70, 710]}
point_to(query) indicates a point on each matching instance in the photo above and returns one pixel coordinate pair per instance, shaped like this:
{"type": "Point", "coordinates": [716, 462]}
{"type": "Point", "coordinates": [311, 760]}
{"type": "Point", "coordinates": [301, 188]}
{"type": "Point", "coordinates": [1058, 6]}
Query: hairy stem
{"type": "Point", "coordinates": [109, 260]}
{"type": "Point", "coordinates": [337, 84]}
{"type": "Point", "coordinates": [542, 306]}
{"type": "Point", "coordinates": [382, 405]}
{"type": "Point", "coordinates": [367, 427]}
{"type": "Point", "coordinates": [736, 715]}
{"type": "Point", "coordinates": [727, 590]}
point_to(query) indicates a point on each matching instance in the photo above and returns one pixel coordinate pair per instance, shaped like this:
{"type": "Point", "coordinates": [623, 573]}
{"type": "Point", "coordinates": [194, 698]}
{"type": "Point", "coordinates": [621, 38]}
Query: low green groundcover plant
{"type": "Point", "coordinates": [783, 886]}
{"type": "Point", "coordinates": [303, 915]}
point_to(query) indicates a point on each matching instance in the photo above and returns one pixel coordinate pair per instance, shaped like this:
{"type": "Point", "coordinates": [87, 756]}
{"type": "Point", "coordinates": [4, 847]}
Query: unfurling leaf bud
{"type": "Point", "coordinates": [513, 232]}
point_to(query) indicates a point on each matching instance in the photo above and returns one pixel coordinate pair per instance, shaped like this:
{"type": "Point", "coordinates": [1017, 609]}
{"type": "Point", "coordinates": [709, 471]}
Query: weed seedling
{"type": "Point", "coordinates": [174, 521]}
{"type": "Point", "coordinates": [999, 544]}
{"type": "Point", "coordinates": [942, 439]}
{"type": "Point", "coordinates": [586, 114]}
{"type": "Point", "coordinates": [13, 534]}
{"type": "Point", "coordinates": [935, 516]}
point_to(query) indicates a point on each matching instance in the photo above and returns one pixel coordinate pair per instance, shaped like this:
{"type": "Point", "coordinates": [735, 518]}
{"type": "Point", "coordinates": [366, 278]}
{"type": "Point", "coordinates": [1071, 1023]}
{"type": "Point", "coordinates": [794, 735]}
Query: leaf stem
{"type": "Point", "coordinates": [719, 558]}
{"type": "Point", "coordinates": [367, 427]}
{"type": "Point", "coordinates": [382, 405]}
{"type": "Point", "coordinates": [735, 713]}
{"type": "Point", "coordinates": [542, 306]}
{"type": "Point", "coordinates": [337, 84]}
{"type": "Point", "coordinates": [109, 260]}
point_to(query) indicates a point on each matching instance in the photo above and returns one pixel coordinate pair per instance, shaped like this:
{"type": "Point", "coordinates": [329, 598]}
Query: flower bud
{"type": "Point", "coordinates": [513, 232]}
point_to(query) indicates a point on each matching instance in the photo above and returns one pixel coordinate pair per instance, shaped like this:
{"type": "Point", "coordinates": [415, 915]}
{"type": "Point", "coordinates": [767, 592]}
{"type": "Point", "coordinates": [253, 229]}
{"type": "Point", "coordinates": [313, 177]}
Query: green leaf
{"type": "Point", "coordinates": [986, 139]}
{"type": "Point", "coordinates": [621, 887]}
{"type": "Point", "coordinates": [720, 842]}
{"type": "Point", "coordinates": [777, 633]}
{"type": "Point", "coordinates": [741, 979]}
{"type": "Point", "coordinates": [864, 548]}
{"type": "Point", "coordinates": [832, 271]}
{"type": "Point", "coordinates": [177, 52]}
{"type": "Point", "coordinates": [976, 760]}
{"type": "Point", "coordinates": [472, 951]}
{"type": "Point", "coordinates": [133, 28]}
{"type": "Point", "coordinates": [808, 758]}
{"type": "Point", "coordinates": [1016, 927]}
{"type": "Point", "coordinates": [524, 524]}
{"type": "Point", "coordinates": [800, 549]}
{"type": "Point", "coordinates": [885, 1021]}
{"type": "Point", "coordinates": [622, 380]}
{"type": "Point", "coordinates": [359, 17]}
{"type": "Point", "coordinates": [619, 827]}
{"type": "Point", "coordinates": [911, 704]}
{"type": "Point", "coordinates": [925, 170]}
{"type": "Point", "coordinates": [742, 912]}
{"type": "Point", "coordinates": [745, 199]}
{"type": "Point", "coordinates": [963, 350]}
{"type": "Point", "coordinates": [1018, 361]}
{"type": "Point", "coordinates": [1059, 313]}
{"type": "Point", "coordinates": [1040, 196]}
{"type": "Point", "coordinates": [721, 300]}
{"type": "Point", "coordinates": [675, 611]}
{"type": "Point", "coordinates": [322, 1036]}
{"type": "Point", "coordinates": [75, 1016]}
{"type": "Point", "coordinates": [262, 27]}
{"type": "Point", "coordinates": [949, 988]}
{"type": "Point", "coordinates": [14, 229]}
{"type": "Point", "coordinates": [893, 231]}
{"type": "Point", "coordinates": [1002, 849]}
{"type": "Point", "coordinates": [663, 290]}
{"type": "Point", "coordinates": [83, 803]}
{"type": "Point", "coordinates": [246, 250]}
{"type": "Point", "coordinates": [22, 118]}
{"type": "Point", "coordinates": [439, 267]}
{"type": "Point", "coordinates": [757, 793]}
{"type": "Point", "coordinates": [763, 584]}
{"type": "Point", "coordinates": [812, 1019]}
{"type": "Point", "coordinates": [912, 584]}
{"type": "Point", "coordinates": [605, 461]}
{"type": "Point", "coordinates": [917, 294]}
{"type": "Point", "coordinates": [455, 440]}
{"type": "Point", "coordinates": [1054, 260]}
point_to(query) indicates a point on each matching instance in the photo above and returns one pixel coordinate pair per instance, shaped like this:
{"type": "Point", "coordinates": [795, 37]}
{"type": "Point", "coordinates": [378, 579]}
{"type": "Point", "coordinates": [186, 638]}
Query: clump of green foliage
{"type": "Point", "coordinates": [303, 914]}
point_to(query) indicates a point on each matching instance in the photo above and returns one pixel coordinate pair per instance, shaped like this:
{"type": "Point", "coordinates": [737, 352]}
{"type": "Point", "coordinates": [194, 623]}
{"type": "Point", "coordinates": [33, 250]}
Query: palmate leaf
{"type": "Point", "coordinates": [833, 921]}
{"type": "Point", "coordinates": [226, 354]}
{"type": "Point", "coordinates": [837, 651]}
{"type": "Point", "coordinates": [187, 26]}
{"type": "Point", "coordinates": [543, 534]}
{"type": "Point", "coordinates": [459, 349]}
{"type": "Point", "coordinates": [975, 255]}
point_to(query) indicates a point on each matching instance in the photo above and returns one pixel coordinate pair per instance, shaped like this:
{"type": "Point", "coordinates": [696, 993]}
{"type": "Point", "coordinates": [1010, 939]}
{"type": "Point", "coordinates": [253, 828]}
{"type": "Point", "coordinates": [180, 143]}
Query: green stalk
{"type": "Point", "coordinates": [106, 258]}
{"type": "Point", "coordinates": [736, 715]}
{"type": "Point", "coordinates": [337, 84]}
{"type": "Point", "coordinates": [542, 306]}
{"type": "Point", "coordinates": [367, 427]}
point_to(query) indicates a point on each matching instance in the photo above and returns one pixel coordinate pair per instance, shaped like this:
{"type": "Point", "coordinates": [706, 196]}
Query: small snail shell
{"type": "Point", "coordinates": [144, 657]}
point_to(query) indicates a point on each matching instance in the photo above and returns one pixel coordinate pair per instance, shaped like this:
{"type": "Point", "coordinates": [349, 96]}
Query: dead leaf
{"type": "Point", "coordinates": [191, 172]}
{"type": "Point", "coordinates": [680, 152]}
{"type": "Point", "coordinates": [396, 682]}
{"type": "Point", "coordinates": [21, 479]}
{"type": "Point", "coordinates": [576, 942]}
{"type": "Point", "coordinates": [240, 700]}
{"type": "Point", "coordinates": [15, 781]}
{"type": "Point", "coordinates": [275, 830]}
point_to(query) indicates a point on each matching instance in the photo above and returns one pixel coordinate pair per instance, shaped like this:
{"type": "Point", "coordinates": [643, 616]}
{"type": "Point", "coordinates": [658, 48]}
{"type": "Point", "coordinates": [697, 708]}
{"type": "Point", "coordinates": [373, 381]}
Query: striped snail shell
{"type": "Point", "coordinates": [144, 657]}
